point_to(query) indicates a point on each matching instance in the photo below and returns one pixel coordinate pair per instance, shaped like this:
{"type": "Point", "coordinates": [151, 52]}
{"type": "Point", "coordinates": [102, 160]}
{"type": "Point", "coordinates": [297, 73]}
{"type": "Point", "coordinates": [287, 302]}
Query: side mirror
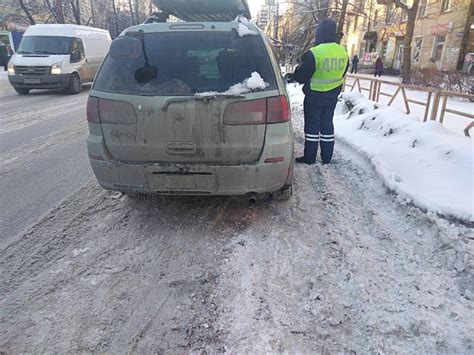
{"type": "Point", "coordinates": [125, 48]}
{"type": "Point", "coordinates": [75, 57]}
{"type": "Point", "coordinates": [289, 78]}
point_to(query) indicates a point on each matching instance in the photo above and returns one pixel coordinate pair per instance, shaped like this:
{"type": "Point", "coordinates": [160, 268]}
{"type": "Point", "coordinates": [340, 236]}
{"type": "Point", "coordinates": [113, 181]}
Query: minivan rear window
{"type": "Point", "coordinates": [188, 63]}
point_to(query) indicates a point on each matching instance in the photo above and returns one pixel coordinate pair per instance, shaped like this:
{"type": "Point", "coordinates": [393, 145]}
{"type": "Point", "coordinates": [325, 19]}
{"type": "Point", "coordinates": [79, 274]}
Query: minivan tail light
{"type": "Point", "coordinates": [93, 110]}
{"type": "Point", "coordinates": [246, 112]}
{"type": "Point", "coordinates": [113, 111]}
{"type": "Point", "coordinates": [278, 110]}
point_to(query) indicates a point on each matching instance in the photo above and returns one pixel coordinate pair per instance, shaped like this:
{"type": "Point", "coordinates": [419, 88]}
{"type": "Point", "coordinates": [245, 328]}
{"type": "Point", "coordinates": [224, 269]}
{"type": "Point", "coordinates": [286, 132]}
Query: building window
{"type": "Point", "coordinates": [446, 5]}
{"type": "Point", "coordinates": [404, 16]}
{"type": "Point", "coordinates": [356, 22]}
{"type": "Point", "coordinates": [376, 19]}
{"type": "Point", "coordinates": [422, 8]}
{"type": "Point", "coordinates": [438, 47]}
{"type": "Point", "coordinates": [417, 50]}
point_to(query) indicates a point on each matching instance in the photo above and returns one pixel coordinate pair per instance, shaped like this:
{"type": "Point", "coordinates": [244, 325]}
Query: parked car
{"type": "Point", "coordinates": [172, 112]}
{"type": "Point", "coordinates": [57, 56]}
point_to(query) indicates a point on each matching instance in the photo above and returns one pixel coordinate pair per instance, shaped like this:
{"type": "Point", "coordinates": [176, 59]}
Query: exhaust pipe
{"type": "Point", "coordinates": [252, 199]}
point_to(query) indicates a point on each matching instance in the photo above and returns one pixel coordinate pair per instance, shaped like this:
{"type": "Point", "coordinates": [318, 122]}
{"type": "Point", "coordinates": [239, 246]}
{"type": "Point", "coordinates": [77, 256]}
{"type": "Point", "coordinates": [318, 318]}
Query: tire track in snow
{"type": "Point", "coordinates": [17, 119]}
{"type": "Point", "coordinates": [39, 145]}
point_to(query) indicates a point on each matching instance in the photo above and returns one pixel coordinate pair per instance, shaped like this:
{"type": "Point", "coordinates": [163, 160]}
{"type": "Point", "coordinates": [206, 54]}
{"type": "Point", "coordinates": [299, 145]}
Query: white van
{"type": "Point", "coordinates": [57, 56]}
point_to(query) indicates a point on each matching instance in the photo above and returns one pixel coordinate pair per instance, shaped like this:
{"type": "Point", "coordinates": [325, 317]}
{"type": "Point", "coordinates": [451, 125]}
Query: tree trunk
{"type": "Point", "coordinates": [131, 11]}
{"type": "Point", "coordinates": [92, 13]}
{"type": "Point", "coordinates": [115, 18]}
{"type": "Point", "coordinates": [465, 37]}
{"type": "Point", "coordinates": [76, 11]}
{"type": "Point", "coordinates": [27, 12]}
{"type": "Point", "coordinates": [59, 11]}
{"type": "Point", "coordinates": [412, 13]}
{"type": "Point", "coordinates": [342, 19]}
{"type": "Point", "coordinates": [137, 11]}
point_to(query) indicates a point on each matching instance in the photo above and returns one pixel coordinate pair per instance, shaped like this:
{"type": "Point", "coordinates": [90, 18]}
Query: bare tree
{"type": "Point", "coordinates": [59, 11]}
{"type": "Point", "coordinates": [342, 20]}
{"type": "Point", "coordinates": [76, 10]}
{"type": "Point", "coordinates": [465, 37]}
{"type": "Point", "coordinates": [131, 11]}
{"type": "Point", "coordinates": [27, 12]}
{"type": "Point", "coordinates": [114, 8]}
{"type": "Point", "coordinates": [411, 12]}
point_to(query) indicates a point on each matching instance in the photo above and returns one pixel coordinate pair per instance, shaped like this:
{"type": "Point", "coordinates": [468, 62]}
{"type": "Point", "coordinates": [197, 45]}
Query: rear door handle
{"type": "Point", "coordinates": [177, 148]}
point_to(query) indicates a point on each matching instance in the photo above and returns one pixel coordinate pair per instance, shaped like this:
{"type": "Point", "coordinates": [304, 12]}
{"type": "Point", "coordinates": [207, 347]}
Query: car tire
{"type": "Point", "coordinates": [75, 85]}
{"type": "Point", "coordinates": [22, 91]}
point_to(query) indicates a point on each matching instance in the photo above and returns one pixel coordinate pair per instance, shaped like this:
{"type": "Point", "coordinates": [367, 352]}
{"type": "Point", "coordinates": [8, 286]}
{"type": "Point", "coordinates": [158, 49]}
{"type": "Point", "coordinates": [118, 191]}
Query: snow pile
{"type": "Point", "coordinates": [254, 83]}
{"type": "Point", "coordinates": [243, 27]}
{"type": "Point", "coordinates": [245, 31]}
{"type": "Point", "coordinates": [423, 162]}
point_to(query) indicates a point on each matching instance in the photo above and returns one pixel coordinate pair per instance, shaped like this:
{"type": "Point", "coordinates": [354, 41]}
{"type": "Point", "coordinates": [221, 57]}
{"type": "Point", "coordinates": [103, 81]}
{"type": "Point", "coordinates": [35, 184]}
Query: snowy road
{"type": "Point", "coordinates": [43, 155]}
{"type": "Point", "coordinates": [343, 267]}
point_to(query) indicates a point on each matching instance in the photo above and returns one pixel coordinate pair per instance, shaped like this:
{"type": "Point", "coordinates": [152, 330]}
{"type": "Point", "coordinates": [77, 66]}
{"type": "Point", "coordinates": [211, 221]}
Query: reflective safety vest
{"type": "Point", "coordinates": [331, 61]}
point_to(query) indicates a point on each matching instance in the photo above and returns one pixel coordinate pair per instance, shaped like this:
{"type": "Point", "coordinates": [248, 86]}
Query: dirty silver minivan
{"type": "Point", "coordinates": [172, 111]}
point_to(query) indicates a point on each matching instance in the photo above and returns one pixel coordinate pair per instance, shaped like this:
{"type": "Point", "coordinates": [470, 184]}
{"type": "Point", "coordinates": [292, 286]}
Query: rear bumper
{"type": "Point", "coordinates": [40, 81]}
{"type": "Point", "coordinates": [146, 178]}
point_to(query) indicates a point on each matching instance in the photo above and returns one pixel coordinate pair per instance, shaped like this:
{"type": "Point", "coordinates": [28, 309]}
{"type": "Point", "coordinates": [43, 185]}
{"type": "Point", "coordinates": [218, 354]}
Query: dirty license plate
{"type": "Point", "coordinates": [191, 182]}
{"type": "Point", "coordinates": [32, 81]}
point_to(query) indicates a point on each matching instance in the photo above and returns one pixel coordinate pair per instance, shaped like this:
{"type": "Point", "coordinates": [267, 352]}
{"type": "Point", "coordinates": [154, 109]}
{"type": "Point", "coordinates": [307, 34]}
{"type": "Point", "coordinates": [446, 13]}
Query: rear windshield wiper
{"type": "Point", "coordinates": [216, 95]}
{"type": "Point", "coordinates": [209, 96]}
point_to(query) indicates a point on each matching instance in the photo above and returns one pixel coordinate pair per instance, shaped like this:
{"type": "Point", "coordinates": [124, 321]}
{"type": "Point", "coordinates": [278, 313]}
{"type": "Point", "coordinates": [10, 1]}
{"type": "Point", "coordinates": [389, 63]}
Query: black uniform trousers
{"type": "Point", "coordinates": [319, 127]}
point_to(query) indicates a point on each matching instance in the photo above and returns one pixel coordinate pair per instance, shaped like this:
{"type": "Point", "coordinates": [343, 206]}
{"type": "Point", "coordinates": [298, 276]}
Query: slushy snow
{"type": "Point", "coordinates": [423, 162]}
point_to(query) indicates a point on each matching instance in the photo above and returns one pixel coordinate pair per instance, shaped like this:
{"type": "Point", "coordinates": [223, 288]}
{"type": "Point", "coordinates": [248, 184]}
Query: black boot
{"type": "Point", "coordinates": [302, 160]}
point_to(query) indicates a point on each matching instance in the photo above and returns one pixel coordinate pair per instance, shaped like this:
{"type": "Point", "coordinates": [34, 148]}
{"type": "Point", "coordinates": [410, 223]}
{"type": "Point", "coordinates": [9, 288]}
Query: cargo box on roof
{"type": "Point", "coordinates": [204, 10]}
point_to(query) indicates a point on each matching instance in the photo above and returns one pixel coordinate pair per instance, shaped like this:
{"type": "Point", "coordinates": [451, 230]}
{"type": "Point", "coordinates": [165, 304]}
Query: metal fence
{"type": "Point", "coordinates": [435, 104]}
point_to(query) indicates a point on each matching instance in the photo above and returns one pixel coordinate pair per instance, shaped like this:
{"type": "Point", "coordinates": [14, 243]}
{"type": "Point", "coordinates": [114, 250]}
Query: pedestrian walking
{"type": "Point", "coordinates": [378, 67]}
{"type": "Point", "coordinates": [355, 63]}
{"type": "Point", "coordinates": [9, 54]}
{"type": "Point", "coordinates": [322, 72]}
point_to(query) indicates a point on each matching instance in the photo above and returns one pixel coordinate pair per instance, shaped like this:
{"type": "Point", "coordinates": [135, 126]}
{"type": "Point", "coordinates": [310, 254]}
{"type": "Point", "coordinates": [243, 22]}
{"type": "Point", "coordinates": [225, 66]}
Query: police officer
{"type": "Point", "coordinates": [322, 72]}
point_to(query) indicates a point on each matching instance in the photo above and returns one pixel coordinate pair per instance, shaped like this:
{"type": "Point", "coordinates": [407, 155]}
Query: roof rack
{"type": "Point", "coordinates": [158, 17]}
{"type": "Point", "coordinates": [201, 10]}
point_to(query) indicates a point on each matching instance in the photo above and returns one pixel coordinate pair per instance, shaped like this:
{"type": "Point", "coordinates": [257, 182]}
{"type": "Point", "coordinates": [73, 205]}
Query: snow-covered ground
{"type": "Point", "coordinates": [453, 122]}
{"type": "Point", "coordinates": [424, 163]}
{"type": "Point", "coordinates": [340, 268]}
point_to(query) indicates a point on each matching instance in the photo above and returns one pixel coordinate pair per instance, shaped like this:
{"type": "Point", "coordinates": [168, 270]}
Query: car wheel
{"type": "Point", "coordinates": [75, 85]}
{"type": "Point", "coordinates": [22, 91]}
